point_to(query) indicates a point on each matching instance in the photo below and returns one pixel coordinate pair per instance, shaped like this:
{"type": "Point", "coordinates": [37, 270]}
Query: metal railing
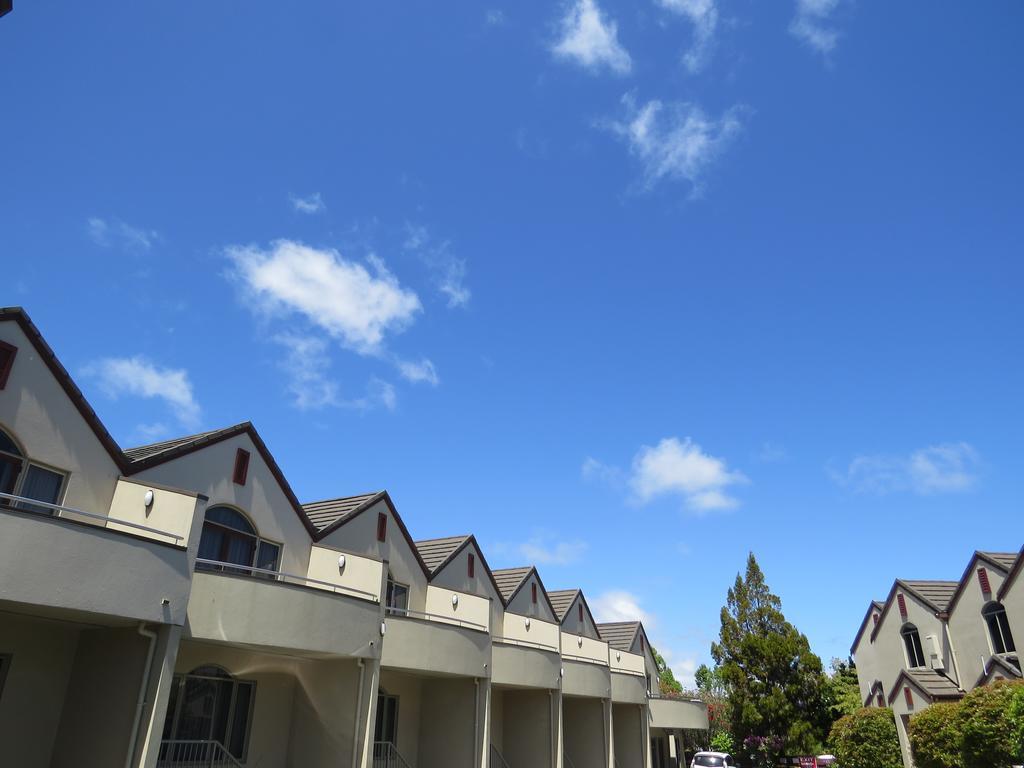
{"type": "Point", "coordinates": [217, 566]}
{"type": "Point", "coordinates": [435, 617]}
{"type": "Point", "coordinates": [60, 509]}
{"type": "Point", "coordinates": [526, 644]}
{"type": "Point", "coordinates": [180, 753]}
{"type": "Point", "coordinates": [386, 755]}
{"type": "Point", "coordinates": [497, 760]}
{"type": "Point", "coordinates": [587, 659]}
{"type": "Point", "coordinates": [568, 763]}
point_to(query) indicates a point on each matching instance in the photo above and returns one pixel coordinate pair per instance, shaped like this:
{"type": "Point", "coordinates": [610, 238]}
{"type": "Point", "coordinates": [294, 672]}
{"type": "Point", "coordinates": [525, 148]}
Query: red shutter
{"type": "Point", "coordinates": [875, 617]}
{"type": "Point", "coordinates": [7, 353]}
{"type": "Point", "coordinates": [472, 566]}
{"type": "Point", "coordinates": [579, 610]}
{"type": "Point", "coordinates": [533, 592]}
{"type": "Point", "coordinates": [382, 526]}
{"type": "Point", "coordinates": [641, 642]}
{"type": "Point", "coordinates": [903, 605]}
{"type": "Point", "coordinates": [908, 696]}
{"type": "Point", "coordinates": [881, 700]}
{"type": "Point", "coordinates": [241, 466]}
{"type": "Point", "coordinates": [986, 587]}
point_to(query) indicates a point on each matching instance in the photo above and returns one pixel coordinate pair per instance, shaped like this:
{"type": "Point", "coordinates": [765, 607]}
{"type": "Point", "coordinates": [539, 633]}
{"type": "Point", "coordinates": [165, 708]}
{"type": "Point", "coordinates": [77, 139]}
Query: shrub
{"type": "Point", "coordinates": [986, 727]}
{"type": "Point", "coordinates": [935, 736]}
{"type": "Point", "coordinates": [722, 742]}
{"type": "Point", "coordinates": [866, 739]}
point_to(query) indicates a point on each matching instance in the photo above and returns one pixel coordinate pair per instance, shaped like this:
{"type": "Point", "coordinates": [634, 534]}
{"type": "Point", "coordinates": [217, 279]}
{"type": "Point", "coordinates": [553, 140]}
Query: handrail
{"type": "Point", "coordinates": [386, 755]}
{"type": "Point", "coordinates": [283, 576]}
{"type": "Point", "coordinates": [502, 762]}
{"type": "Point", "coordinates": [568, 763]}
{"type": "Point", "coordinates": [59, 508]}
{"type": "Point", "coordinates": [588, 659]}
{"type": "Point", "coordinates": [434, 617]}
{"type": "Point", "coordinates": [195, 753]}
{"type": "Point", "coordinates": [528, 643]}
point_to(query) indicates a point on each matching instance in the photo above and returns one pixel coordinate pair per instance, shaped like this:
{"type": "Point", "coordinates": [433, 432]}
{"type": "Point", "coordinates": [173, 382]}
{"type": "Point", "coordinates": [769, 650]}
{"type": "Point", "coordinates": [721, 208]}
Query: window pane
{"type": "Point", "coordinates": [10, 467]}
{"type": "Point", "coordinates": [43, 485]}
{"type": "Point", "coordinates": [210, 544]}
{"type": "Point", "coordinates": [267, 556]}
{"type": "Point", "coordinates": [7, 445]}
{"type": "Point", "coordinates": [232, 518]}
{"type": "Point", "coordinates": [1004, 626]}
{"type": "Point", "coordinates": [240, 720]}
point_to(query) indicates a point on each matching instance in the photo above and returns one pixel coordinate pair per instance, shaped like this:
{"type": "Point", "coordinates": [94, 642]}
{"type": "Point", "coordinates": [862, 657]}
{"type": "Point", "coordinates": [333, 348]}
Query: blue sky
{"type": "Point", "coordinates": [661, 282]}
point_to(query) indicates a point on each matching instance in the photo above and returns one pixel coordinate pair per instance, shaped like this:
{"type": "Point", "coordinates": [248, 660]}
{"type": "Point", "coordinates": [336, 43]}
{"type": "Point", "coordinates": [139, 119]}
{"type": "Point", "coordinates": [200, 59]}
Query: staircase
{"type": "Point", "coordinates": [386, 755]}
{"type": "Point", "coordinates": [182, 753]}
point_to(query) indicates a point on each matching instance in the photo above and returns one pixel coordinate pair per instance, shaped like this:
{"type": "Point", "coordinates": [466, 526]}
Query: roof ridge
{"type": "Point", "coordinates": [341, 498]}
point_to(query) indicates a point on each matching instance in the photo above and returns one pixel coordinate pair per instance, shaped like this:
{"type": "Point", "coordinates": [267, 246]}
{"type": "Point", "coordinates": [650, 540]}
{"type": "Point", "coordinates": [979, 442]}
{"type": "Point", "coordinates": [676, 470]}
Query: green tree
{"type": "Point", "coordinates": [666, 680]}
{"type": "Point", "coordinates": [778, 692]}
{"type": "Point", "coordinates": [844, 690]}
{"type": "Point", "coordinates": [935, 736]}
{"type": "Point", "coordinates": [986, 726]}
{"type": "Point", "coordinates": [709, 681]}
{"type": "Point", "coordinates": [866, 739]}
{"type": "Point", "coordinates": [712, 691]}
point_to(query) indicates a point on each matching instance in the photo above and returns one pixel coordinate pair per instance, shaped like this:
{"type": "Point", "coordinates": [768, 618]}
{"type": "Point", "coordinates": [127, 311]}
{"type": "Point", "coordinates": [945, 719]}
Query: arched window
{"type": "Point", "coordinates": [230, 539]}
{"type": "Point", "coordinates": [207, 704]}
{"type": "Point", "coordinates": [998, 628]}
{"type": "Point", "coordinates": [912, 641]}
{"type": "Point", "coordinates": [21, 477]}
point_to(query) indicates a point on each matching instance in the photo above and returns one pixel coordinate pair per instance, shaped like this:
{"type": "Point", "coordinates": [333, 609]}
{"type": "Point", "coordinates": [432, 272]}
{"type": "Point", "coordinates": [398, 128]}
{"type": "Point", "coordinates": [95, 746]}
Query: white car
{"type": "Point", "coordinates": [712, 760]}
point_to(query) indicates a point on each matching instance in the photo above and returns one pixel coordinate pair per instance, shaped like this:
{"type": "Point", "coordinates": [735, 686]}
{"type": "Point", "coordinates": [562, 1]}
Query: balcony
{"type": "Point", "coordinates": [526, 654]}
{"type": "Point", "coordinates": [629, 677]}
{"type": "Point", "coordinates": [129, 564]}
{"type": "Point", "coordinates": [243, 605]}
{"type": "Point", "coordinates": [678, 714]}
{"type": "Point", "coordinates": [451, 637]}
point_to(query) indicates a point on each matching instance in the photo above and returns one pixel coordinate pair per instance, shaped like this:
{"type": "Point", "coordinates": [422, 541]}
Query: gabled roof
{"type": "Point", "coordinates": [511, 580]}
{"type": "Point", "coordinates": [437, 552]}
{"type": "Point", "coordinates": [324, 514]}
{"type": "Point", "coordinates": [1001, 561]}
{"type": "Point", "coordinates": [1012, 575]}
{"type": "Point", "coordinates": [934, 594]}
{"type": "Point", "coordinates": [933, 685]}
{"type": "Point", "coordinates": [876, 605]}
{"type": "Point", "coordinates": [1001, 663]}
{"type": "Point", "coordinates": [561, 599]}
{"type": "Point", "coordinates": [148, 456]}
{"type": "Point", "coordinates": [620, 635]}
{"type": "Point", "coordinates": [47, 355]}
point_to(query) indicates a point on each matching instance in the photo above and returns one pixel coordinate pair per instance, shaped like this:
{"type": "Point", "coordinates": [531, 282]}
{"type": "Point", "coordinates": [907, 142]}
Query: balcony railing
{"type": "Point", "coordinates": [195, 754]}
{"type": "Point", "coordinates": [215, 566]}
{"type": "Point", "coordinates": [25, 504]}
{"type": "Point", "coordinates": [386, 755]}
{"type": "Point", "coordinates": [526, 644]}
{"type": "Point", "coordinates": [435, 617]}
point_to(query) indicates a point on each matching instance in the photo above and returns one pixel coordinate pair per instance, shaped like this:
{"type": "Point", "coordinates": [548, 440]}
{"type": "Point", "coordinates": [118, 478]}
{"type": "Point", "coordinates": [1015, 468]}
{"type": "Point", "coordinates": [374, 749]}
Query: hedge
{"type": "Point", "coordinates": [866, 739]}
{"type": "Point", "coordinates": [985, 718]}
{"type": "Point", "coordinates": [935, 736]}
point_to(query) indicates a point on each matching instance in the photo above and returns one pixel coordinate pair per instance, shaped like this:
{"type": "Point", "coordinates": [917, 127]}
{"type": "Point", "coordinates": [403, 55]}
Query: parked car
{"type": "Point", "coordinates": [712, 760]}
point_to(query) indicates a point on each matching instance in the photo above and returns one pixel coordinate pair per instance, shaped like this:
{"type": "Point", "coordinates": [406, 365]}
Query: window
{"type": "Point", "coordinates": [710, 761]}
{"type": "Point", "coordinates": [396, 599]}
{"type": "Point", "coordinates": [230, 539]}
{"type": "Point", "coordinates": [912, 641]}
{"type": "Point", "coordinates": [241, 466]}
{"type": "Point", "coordinates": [7, 353]}
{"type": "Point", "coordinates": [533, 593]}
{"type": "Point", "coordinates": [998, 628]}
{"type": "Point", "coordinates": [471, 566]}
{"type": "Point", "coordinates": [382, 526]}
{"type": "Point", "coordinates": [35, 482]}
{"type": "Point", "coordinates": [208, 704]}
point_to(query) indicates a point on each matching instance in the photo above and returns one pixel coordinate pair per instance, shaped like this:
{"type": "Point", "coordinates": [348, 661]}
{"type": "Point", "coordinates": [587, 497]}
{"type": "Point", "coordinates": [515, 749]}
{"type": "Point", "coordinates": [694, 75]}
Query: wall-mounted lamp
{"type": "Point", "coordinates": [455, 601]}
{"type": "Point", "coordinates": [383, 628]}
{"type": "Point", "coordinates": [579, 641]}
{"type": "Point", "coordinates": [527, 623]}
{"type": "Point", "coordinates": [341, 563]}
{"type": "Point", "coordinates": [147, 499]}
{"type": "Point", "coordinates": [618, 655]}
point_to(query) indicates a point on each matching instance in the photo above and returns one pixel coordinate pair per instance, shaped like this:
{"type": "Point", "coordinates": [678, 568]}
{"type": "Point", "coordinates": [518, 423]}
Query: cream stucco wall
{"type": "Point", "coordinates": [891, 656]}
{"type": "Point", "coordinates": [1014, 602]}
{"type": "Point", "coordinates": [571, 621]}
{"type": "Point", "coordinates": [360, 574]}
{"type": "Point", "coordinates": [970, 633]}
{"type": "Point", "coordinates": [455, 576]}
{"type": "Point", "coordinates": [585, 647]}
{"type": "Point", "coordinates": [865, 656]}
{"type": "Point", "coordinates": [448, 604]}
{"type": "Point", "coordinates": [172, 512]}
{"type": "Point", "coordinates": [523, 604]}
{"type": "Point", "coordinates": [37, 413]}
{"type": "Point", "coordinates": [538, 632]}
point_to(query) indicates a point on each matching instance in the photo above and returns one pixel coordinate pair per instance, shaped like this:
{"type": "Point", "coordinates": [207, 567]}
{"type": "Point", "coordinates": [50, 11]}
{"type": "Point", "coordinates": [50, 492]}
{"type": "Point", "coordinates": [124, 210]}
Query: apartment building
{"type": "Point", "coordinates": [176, 605]}
{"type": "Point", "coordinates": [932, 641]}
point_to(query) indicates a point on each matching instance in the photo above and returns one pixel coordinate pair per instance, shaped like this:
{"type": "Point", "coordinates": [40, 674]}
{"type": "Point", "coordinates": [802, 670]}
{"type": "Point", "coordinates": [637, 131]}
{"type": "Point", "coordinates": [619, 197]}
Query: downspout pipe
{"type": "Point", "coordinates": [141, 701]}
{"type": "Point", "coordinates": [356, 737]}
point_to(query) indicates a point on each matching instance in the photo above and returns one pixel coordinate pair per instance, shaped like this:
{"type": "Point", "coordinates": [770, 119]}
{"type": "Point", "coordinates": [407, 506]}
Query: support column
{"type": "Point", "coordinates": [158, 691]}
{"type": "Point", "coordinates": [609, 734]}
{"type": "Point", "coordinates": [559, 735]}
{"type": "Point", "coordinates": [645, 734]}
{"type": "Point", "coordinates": [483, 731]}
{"type": "Point", "coordinates": [366, 711]}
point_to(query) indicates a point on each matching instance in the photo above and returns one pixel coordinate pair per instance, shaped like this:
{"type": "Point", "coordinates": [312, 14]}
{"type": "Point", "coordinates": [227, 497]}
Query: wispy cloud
{"type": "Point", "coordinates": [545, 549]}
{"type": "Point", "coordinates": [620, 605]}
{"type": "Point", "coordinates": [681, 468]}
{"type": "Point", "coordinates": [139, 377]}
{"type": "Point", "coordinates": [307, 365]}
{"type": "Point", "coordinates": [942, 468]}
{"type": "Point", "coordinates": [675, 141]}
{"type": "Point", "coordinates": [591, 40]}
{"type": "Point", "coordinates": [703, 14]}
{"type": "Point", "coordinates": [357, 306]}
{"type": "Point", "coordinates": [811, 24]}
{"type": "Point", "coordinates": [494, 17]}
{"type": "Point", "coordinates": [449, 271]}
{"type": "Point", "coordinates": [772, 453]}
{"type": "Point", "coordinates": [114, 233]}
{"type": "Point", "coordinates": [313, 203]}
{"type": "Point", "coordinates": [422, 371]}
{"type": "Point", "coordinates": [594, 469]}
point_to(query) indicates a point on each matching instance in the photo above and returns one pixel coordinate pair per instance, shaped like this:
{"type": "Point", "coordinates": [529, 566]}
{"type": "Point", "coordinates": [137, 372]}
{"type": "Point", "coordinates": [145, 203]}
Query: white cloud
{"type": "Point", "coordinates": [494, 17]}
{"type": "Point", "coordinates": [449, 271]}
{"type": "Point", "coordinates": [138, 377]}
{"type": "Point", "coordinates": [681, 468]}
{"type": "Point", "coordinates": [703, 14]}
{"type": "Point", "coordinates": [313, 203]}
{"type": "Point", "coordinates": [683, 666]}
{"type": "Point", "coordinates": [341, 297]}
{"type": "Point", "coordinates": [306, 364]}
{"type": "Point", "coordinates": [542, 550]}
{"type": "Point", "coordinates": [594, 469]}
{"type": "Point", "coordinates": [591, 40]}
{"type": "Point", "coordinates": [620, 605]}
{"type": "Point", "coordinates": [675, 141]}
{"type": "Point", "coordinates": [416, 372]}
{"type": "Point", "coordinates": [117, 234]}
{"type": "Point", "coordinates": [811, 24]}
{"type": "Point", "coordinates": [942, 468]}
